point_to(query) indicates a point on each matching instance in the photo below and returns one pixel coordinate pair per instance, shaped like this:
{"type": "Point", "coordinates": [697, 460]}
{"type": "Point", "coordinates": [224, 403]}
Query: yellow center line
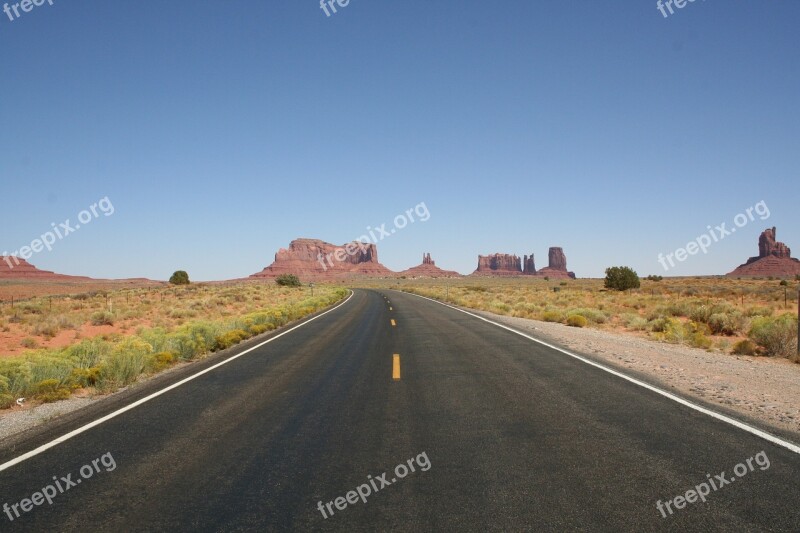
{"type": "Point", "coordinates": [390, 308]}
{"type": "Point", "coordinates": [393, 322]}
{"type": "Point", "coordinates": [396, 367]}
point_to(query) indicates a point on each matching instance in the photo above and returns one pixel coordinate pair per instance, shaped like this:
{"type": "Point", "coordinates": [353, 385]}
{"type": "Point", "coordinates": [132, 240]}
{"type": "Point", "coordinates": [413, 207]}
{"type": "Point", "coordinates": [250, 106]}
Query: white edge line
{"type": "Point", "coordinates": [66, 437]}
{"type": "Point", "coordinates": [732, 421]}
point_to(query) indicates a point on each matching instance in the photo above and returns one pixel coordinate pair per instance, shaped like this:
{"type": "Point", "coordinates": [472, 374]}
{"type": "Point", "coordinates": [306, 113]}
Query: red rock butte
{"type": "Point", "coordinates": [313, 259]}
{"type": "Point", "coordinates": [428, 269]}
{"type": "Point", "coordinates": [512, 265]}
{"type": "Point", "coordinates": [17, 268]}
{"type": "Point", "coordinates": [774, 259]}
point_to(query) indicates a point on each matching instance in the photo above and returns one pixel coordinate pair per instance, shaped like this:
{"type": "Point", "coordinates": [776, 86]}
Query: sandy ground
{"type": "Point", "coordinates": [763, 390]}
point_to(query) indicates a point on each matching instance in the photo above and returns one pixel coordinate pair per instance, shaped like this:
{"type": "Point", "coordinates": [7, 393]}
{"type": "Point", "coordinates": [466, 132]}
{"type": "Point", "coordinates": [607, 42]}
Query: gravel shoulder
{"type": "Point", "coordinates": [759, 390]}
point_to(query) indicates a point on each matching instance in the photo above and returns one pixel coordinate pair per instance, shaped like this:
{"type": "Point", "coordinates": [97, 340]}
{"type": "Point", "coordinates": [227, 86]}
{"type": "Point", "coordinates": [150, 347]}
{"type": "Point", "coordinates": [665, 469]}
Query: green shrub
{"type": "Point", "coordinates": [701, 314]}
{"type": "Point", "coordinates": [777, 336]}
{"type": "Point", "coordinates": [654, 278]}
{"type": "Point", "coordinates": [125, 364]}
{"type": "Point", "coordinates": [621, 278]}
{"type": "Point", "coordinates": [727, 324]}
{"type": "Point", "coordinates": [102, 318]}
{"type": "Point", "coordinates": [759, 311]}
{"type": "Point", "coordinates": [6, 400]}
{"type": "Point", "coordinates": [288, 280]}
{"type": "Point", "coordinates": [577, 321]}
{"type": "Point", "coordinates": [179, 277]}
{"type": "Point", "coordinates": [745, 347]}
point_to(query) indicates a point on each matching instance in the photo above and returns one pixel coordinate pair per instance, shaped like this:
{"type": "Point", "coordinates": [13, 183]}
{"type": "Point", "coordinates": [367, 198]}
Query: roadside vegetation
{"type": "Point", "coordinates": [102, 341]}
{"type": "Point", "coordinates": [743, 317]}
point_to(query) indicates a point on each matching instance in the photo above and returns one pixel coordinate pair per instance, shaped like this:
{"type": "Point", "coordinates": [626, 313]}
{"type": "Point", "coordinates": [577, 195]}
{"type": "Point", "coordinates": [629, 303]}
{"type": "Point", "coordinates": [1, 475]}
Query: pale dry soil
{"type": "Point", "coordinates": [763, 390]}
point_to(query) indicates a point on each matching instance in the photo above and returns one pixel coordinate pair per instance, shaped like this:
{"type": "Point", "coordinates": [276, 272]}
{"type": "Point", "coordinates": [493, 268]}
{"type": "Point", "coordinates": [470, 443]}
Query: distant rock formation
{"type": "Point", "coordinates": [529, 266]}
{"type": "Point", "coordinates": [557, 265]}
{"type": "Point", "coordinates": [428, 269]}
{"type": "Point", "coordinates": [774, 259]}
{"type": "Point", "coordinates": [313, 259]}
{"type": "Point", "coordinates": [498, 265]}
{"type": "Point", "coordinates": [511, 265]}
{"type": "Point", "coordinates": [17, 268]}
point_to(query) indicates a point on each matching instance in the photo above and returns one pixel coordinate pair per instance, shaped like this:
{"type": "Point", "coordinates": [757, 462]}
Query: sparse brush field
{"type": "Point", "coordinates": [105, 340]}
{"type": "Point", "coordinates": [747, 317]}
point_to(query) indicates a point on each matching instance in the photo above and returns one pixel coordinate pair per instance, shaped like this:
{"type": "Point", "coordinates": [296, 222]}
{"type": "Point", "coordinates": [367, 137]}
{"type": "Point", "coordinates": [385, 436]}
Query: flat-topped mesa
{"type": "Point", "coordinates": [499, 265]}
{"type": "Point", "coordinates": [311, 259]}
{"type": "Point", "coordinates": [18, 268]}
{"type": "Point", "coordinates": [774, 259]}
{"type": "Point", "coordinates": [557, 265]}
{"type": "Point", "coordinates": [428, 269]}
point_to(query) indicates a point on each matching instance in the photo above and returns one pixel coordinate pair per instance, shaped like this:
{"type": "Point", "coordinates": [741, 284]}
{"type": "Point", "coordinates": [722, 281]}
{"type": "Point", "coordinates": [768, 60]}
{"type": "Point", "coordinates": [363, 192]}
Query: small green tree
{"type": "Point", "coordinates": [288, 280]}
{"type": "Point", "coordinates": [622, 278]}
{"type": "Point", "coordinates": [180, 277]}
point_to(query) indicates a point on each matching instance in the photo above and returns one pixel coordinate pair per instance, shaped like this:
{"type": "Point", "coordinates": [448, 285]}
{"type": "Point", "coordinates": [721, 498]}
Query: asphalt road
{"type": "Point", "coordinates": [503, 435]}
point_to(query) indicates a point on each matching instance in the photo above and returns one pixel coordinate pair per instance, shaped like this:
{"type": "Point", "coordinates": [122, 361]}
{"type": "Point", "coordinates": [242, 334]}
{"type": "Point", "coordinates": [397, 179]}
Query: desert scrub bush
{"type": "Point", "coordinates": [85, 377]}
{"type": "Point", "coordinates": [258, 329]}
{"type": "Point", "coordinates": [182, 313]}
{"type": "Point", "coordinates": [577, 321]}
{"type": "Point", "coordinates": [47, 328]}
{"type": "Point", "coordinates": [777, 336]}
{"type": "Point", "coordinates": [592, 315]}
{"type": "Point", "coordinates": [634, 322]}
{"type": "Point", "coordinates": [159, 361]}
{"type": "Point", "coordinates": [288, 280]}
{"type": "Point", "coordinates": [231, 338]}
{"type": "Point", "coordinates": [701, 313]}
{"type": "Point", "coordinates": [125, 364]}
{"type": "Point", "coordinates": [728, 324]}
{"type": "Point", "coordinates": [759, 310]}
{"type": "Point", "coordinates": [102, 318]}
{"type": "Point", "coordinates": [52, 390]}
{"type": "Point", "coordinates": [745, 347]}
{"type": "Point", "coordinates": [29, 343]}
{"type": "Point", "coordinates": [88, 353]}
{"type": "Point", "coordinates": [552, 316]}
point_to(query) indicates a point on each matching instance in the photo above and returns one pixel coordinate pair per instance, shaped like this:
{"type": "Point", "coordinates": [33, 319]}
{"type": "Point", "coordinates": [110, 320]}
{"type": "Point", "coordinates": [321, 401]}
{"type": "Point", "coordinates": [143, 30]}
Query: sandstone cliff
{"type": "Point", "coordinates": [313, 259]}
{"type": "Point", "coordinates": [774, 259]}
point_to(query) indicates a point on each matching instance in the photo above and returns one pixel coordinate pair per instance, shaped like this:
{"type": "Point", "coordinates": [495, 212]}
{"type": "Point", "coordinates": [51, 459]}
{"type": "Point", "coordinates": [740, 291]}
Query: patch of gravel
{"type": "Point", "coordinates": [20, 419]}
{"type": "Point", "coordinates": [761, 389]}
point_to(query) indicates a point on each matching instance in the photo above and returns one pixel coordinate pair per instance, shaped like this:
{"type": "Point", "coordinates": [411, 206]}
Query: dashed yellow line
{"type": "Point", "coordinates": [396, 367]}
{"type": "Point", "coordinates": [390, 308]}
{"type": "Point", "coordinates": [393, 322]}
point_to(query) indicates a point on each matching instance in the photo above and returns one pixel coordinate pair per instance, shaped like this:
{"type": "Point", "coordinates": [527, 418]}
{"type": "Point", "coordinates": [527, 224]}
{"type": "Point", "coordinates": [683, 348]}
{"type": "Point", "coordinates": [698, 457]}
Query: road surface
{"type": "Point", "coordinates": [516, 436]}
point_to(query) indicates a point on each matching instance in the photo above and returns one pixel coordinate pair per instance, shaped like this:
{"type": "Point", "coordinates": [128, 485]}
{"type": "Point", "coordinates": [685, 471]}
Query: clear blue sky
{"type": "Point", "coordinates": [221, 131]}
